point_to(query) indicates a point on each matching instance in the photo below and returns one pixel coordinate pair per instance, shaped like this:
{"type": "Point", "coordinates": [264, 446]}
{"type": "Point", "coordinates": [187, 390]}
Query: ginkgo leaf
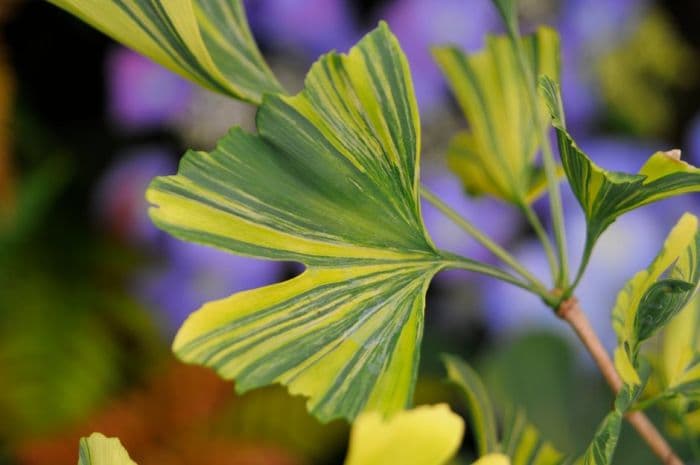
{"type": "Point", "coordinates": [98, 449]}
{"type": "Point", "coordinates": [680, 352]}
{"type": "Point", "coordinates": [330, 181]}
{"type": "Point", "coordinates": [207, 41]}
{"type": "Point", "coordinates": [493, 459]}
{"type": "Point", "coordinates": [521, 443]}
{"type": "Point", "coordinates": [524, 444]}
{"type": "Point", "coordinates": [605, 195]}
{"type": "Point", "coordinates": [496, 155]}
{"type": "Point", "coordinates": [602, 448]}
{"type": "Point", "coordinates": [648, 301]}
{"type": "Point", "coordinates": [482, 417]}
{"type": "Point", "coordinates": [426, 435]}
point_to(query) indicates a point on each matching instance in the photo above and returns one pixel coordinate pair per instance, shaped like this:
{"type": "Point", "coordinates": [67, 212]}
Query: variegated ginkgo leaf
{"type": "Point", "coordinates": [521, 443]}
{"type": "Point", "coordinates": [680, 352]}
{"type": "Point", "coordinates": [330, 181]}
{"type": "Point", "coordinates": [207, 41]}
{"type": "Point", "coordinates": [426, 435]}
{"type": "Point", "coordinates": [605, 195]}
{"type": "Point", "coordinates": [496, 155]}
{"type": "Point", "coordinates": [649, 300]}
{"type": "Point", "coordinates": [100, 450]}
{"type": "Point", "coordinates": [482, 417]}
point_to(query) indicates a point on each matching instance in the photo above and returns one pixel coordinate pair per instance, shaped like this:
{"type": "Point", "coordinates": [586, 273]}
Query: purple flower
{"type": "Point", "coordinates": [141, 93]}
{"type": "Point", "coordinates": [119, 201]}
{"type": "Point", "coordinates": [183, 275]}
{"type": "Point", "coordinates": [193, 274]}
{"type": "Point", "coordinates": [308, 26]}
{"type": "Point", "coordinates": [588, 28]}
{"type": "Point", "coordinates": [692, 149]}
{"type": "Point", "coordinates": [422, 24]}
{"type": "Point", "coordinates": [497, 220]}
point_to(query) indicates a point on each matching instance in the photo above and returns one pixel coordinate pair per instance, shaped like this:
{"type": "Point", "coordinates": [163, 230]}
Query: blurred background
{"type": "Point", "coordinates": [91, 293]}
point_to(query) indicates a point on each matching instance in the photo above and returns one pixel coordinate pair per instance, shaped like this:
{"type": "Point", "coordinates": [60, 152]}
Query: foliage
{"type": "Point", "coordinates": [331, 180]}
{"type": "Point", "coordinates": [494, 99]}
{"type": "Point", "coordinates": [207, 41]}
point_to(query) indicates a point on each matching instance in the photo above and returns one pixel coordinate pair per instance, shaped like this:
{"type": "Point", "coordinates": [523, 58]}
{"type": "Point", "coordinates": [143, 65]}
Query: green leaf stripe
{"type": "Point", "coordinates": [207, 41]}
{"type": "Point", "coordinates": [481, 413]}
{"type": "Point", "coordinates": [331, 181]}
{"type": "Point", "coordinates": [602, 448]}
{"type": "Point", "coordinates": [523, 443]}
{"type": "Point", "coordinates": [496, 155]}
{"type": "Point", "coordinates": [605, 195]}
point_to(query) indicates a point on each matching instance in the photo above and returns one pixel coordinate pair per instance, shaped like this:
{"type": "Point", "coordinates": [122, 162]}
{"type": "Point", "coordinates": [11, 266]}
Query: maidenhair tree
{"type": "Point", "coordinates": [331, 179]}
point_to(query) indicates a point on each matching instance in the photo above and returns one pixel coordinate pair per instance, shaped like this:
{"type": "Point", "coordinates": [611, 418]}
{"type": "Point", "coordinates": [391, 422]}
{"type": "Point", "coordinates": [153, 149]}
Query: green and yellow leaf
{"type": "Point", "coordinates": [331, 181]}
{"type": "Point", "coordinates": [680, 352]}
{"type": "Point", "coordinates": [523, 443]}
{"type": "Point", "coordinates": [100, 450]}
{"type": "Point", "coordinates": [496, 155]}
{"type": "Point", "coordinates": [207, 41]}
{"type": "Point", "coordinates": [482, 417]}
{"type": "Point", "coordinates": [602, 448]}
{"type": "Point", "coordinates": [650, 300]}
{"type": "Point", "coordinates": [493, 459]}
{"type": "Point", "coordinates": [605, 195]}
{"type": "Point", "coordinates": [426, 435]}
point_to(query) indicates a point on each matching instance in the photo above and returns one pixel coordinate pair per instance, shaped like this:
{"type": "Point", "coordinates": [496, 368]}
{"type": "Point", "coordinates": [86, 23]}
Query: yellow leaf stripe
{"type": "Point", "coordinates": [100, 450]}
{"type": "Point", "coordinates": [426, 435]}
{"type": "Point", "coordinates": [331, 181]}
{"type": "Point", "coordinates": [605, 195]}
{"type": "Point", "coordinates": [680, 351]}
{"type": "Point", "coordinates": [496, 155]}
{"type": "Point", "coordinates": [637, 313]}
{"type": "Point", "coordinates": [521, 442]}
{"type": "Point", "coordinates": [207, 41]}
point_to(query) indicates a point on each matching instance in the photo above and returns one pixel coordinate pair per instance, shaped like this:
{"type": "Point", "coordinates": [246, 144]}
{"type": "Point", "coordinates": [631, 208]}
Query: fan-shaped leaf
{"type": "Point", "coordinates": [427, 435]}
{"type": "Point", "coordinates": [207, 41]}
{"type": "Point", "coordinates": [496, 156]}
{"type": "Point", "coordinates": [332, 182]}
{"type": "Point", "coordinates": [98, 449]}
{"type": "Point", "coordinates": [605, 195]}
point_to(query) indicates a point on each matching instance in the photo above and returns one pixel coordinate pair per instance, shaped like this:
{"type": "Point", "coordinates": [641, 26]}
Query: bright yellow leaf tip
{"type": "Point", "coordinates": [97, 449]}
{"type": "Point", "coordinates": [426, 435]}
{"type": "Point", "coordinates": [493, 459]}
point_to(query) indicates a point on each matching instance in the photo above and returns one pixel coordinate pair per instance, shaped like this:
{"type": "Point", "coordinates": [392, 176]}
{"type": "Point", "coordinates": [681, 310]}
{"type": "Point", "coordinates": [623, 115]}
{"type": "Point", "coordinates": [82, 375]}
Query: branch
{"type": "Point", "coordinates": [572, 313]}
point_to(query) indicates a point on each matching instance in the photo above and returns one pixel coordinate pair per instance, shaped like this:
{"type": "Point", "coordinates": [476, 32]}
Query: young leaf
{"type": "Point", "coordinates": [481, 414]}
{"type": "Point", "coordinates": [521, 440]}
{"type": "Point", "coordinates": [207, 41]}
{"type": "Point", "coordinates": [680, 352]}
{"type": "Point", "coordinates": [427, 435]}
{"type": "Point", "coordinates": [331, 181]}
{"type": "Point", "coordinates": [523, 443]}
{"type": "Point", "coordinates": [605, 195]}
{"type": "Point", "coordinates": [646, 303]}
{"type": "Point", "coordinates": [496, 156]}
{"type": "Point", "coordinates": [100, 450]}
{"type": "Point", "coordinates": [602, 448]}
